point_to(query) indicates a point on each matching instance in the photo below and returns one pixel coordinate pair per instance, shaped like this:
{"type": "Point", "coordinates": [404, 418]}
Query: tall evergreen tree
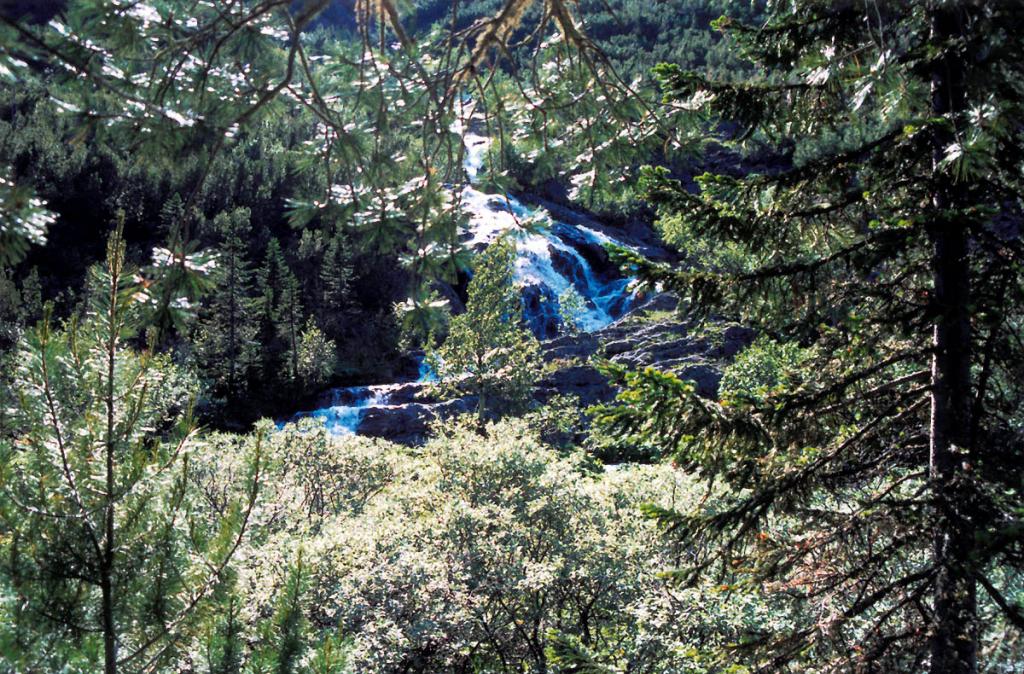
{"type": "Point", "coordinates": [288, 315]}
{"type": "Point", "coordinates": [227, 333]}
{"type": "Point", "coordinates": [270, 283]}
{"type": "Point", "coordinates": [280, 315]}
{"type": "Point", "coordinates": [878, 493]}
{"type": "Point", "coordinates": [335, 284]}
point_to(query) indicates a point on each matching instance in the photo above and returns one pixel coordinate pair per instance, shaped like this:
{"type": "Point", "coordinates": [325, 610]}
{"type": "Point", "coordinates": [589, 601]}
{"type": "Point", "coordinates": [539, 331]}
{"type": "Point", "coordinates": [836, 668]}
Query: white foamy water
{"type": "Point", "coordinates": [343, 417]}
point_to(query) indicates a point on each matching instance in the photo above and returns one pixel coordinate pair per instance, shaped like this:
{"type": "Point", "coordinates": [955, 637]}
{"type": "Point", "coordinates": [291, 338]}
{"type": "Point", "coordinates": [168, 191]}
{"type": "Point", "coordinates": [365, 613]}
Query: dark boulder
{"type": "Point", "coordinates": [582, 381]}
{"type": "Point", "coordinates": [409, 423]}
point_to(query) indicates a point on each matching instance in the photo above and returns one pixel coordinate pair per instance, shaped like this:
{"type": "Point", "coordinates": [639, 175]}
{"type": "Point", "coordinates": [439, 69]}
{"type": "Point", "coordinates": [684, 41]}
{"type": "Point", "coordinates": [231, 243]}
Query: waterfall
{"type": "Point", "coordinates": [550, 259]}
{"type": "Point", "coordinates": [343, 415]}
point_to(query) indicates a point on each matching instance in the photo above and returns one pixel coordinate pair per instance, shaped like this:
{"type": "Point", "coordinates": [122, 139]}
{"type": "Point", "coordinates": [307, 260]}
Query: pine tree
{"type": "Point", "coordinates": [101, 536]}
{"type": "Point", "coordinates": [270, 283]}
{"type": "Point", "coordinates": [24, 221]}
{"type": "Point", "coordinates": [488, 352]}
{"type": "Point", "coordinates": [226, 644]}
{"type": "Point", "coordinates": [280, 314]}
{"type": "Point", "coordinates": [290, 624]}
{"type": "Point", "coordinates": [31, 297]}
{"type": "Point", "coordinates": [880, 488]}
{"type": "Point", "coordinates": [285, 635]}
{"type": "Point", "coordinates": [172, 217]}
{"type": "Point", "coordinates": [288, 313]}
{"type": "Point", "coordinates": [227, 334]}
{"type": "Point", "coordinates": [335, 282]}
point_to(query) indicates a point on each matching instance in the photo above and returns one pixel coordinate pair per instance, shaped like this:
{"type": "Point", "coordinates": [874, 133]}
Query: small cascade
{"type": "Point", "coordinates": [343, 415]}
{"type": "Point", "coordinates": [349, 405]}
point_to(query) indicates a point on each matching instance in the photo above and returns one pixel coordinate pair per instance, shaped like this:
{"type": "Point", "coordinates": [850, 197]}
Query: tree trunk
{"type": "Point", "coordinates": [232, 328]}
{"type": "Point", "coordinates": [955, 629]}
{"type": "Point", "coordinates": [294, 340]}
{"type": "Point", "coordinates": [109, 629]}
{"type": "Point", "coordinates": [106, 563]}
{"type": "Point", "coordinates": [954, 633]}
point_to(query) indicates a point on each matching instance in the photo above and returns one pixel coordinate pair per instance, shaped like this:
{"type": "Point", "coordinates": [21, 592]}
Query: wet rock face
{"type": "Point", "coordinates": [637, 343]}
{"type": "Point", "coordinates": [540, 311]}
{"type": "Point", "coordinates": [590, 250]}
{"type": "Point", "coordinates": [582, 381]}
{"type": "Point", "coordinates": [568, 266]}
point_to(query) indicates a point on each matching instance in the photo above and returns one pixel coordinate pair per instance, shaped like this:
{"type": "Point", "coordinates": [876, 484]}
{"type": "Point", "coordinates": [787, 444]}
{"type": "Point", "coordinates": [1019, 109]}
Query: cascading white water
{"type": "Point", "coordinates": [492, 215]}
{"type": "Point", "coordinates": [342, 417]}
{"type": "Point", "coordinates": [548, 262]}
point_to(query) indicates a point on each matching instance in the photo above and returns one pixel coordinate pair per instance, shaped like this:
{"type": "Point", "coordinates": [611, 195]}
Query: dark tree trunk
{"type": "Point", "coordinates": [109, 628]}
{"type": "Point", "coordinates": [954, 635]}
{"type": "Point", "coordinates": [107, 554]}
{"type": "Point", "coordinates": [233, 349]}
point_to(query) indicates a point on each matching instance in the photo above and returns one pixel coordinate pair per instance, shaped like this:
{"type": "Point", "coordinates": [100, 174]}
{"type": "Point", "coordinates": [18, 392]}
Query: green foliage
{"type": "Point", "coordinates": [331, 656]}
{"type": "Point", "coordinates": [571, 308]}
{"type": "Point", "coordinates": [289, 624]}
{"type": "Point", "coordinates": [462, 555]}
{"type": "Point", "coordinates": [344, 150]}
{"type": "Point", "coordinates": [317, 356]}
{"type": "Point", "coordinates": [336, 282]}
{"type": "Point", "coordinates": [178, 277]}
{"type": "Point", "coordinates": [284, 189]}
{"type": "Point", "coordinates": [280, 314]}
{"type": "Point", "coordinates": [487, 352]}
{"type": "Point", "coordinates": [850, 473]}
{"type": "Point", "coordinates": [24, 220]}
{"type": "Point", "coordinates": [763, 369]}
{"type": "Point", "coordinates": [423, 316]}
{"type": "Point", "coordinates": [227, 330]}
{"type": "Point", "coordinates": [289, 322]}
{"type": "Point", "coordinates": [225, 647]}
{"type": "Point", "coordinates": [567, 654]}
{"type": "Point", "coordinates": [560, 421]}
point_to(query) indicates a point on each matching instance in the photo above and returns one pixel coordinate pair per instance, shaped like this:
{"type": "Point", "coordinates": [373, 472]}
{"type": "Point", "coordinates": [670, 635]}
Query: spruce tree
{"type": "Point", "coordinates": [280, 315]}
{"type": "Point", "coordinates": [335, 282]}
{"type": "Point", "coordinates": [876, 492]}
{"type": "Point", "coordinates": [288, 314]}
{"type": "Point", "coordinates": [270, 283]}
